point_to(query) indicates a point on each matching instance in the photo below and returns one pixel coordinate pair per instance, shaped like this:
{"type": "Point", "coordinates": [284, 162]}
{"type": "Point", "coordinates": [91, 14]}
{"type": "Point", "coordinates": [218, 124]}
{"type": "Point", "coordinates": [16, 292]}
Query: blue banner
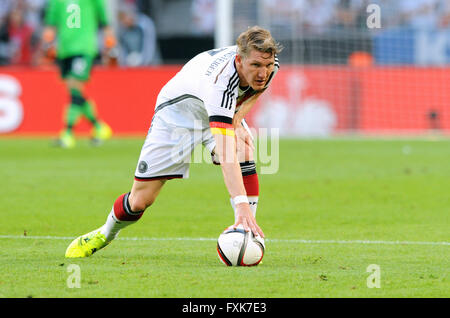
{"type": "Point", "coordinates": [412, 47]}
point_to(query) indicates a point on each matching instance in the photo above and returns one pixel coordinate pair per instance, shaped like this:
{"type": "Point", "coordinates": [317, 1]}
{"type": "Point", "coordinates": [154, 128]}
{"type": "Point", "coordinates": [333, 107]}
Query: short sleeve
{"type": "Point", "coordinates": [220, 98]}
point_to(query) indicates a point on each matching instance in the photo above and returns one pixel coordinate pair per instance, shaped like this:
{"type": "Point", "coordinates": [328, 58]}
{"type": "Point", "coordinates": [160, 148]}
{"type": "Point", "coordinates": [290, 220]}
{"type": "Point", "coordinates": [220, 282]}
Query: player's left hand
{"type": "Point", "coordinates": [110, 41]}
{"type": "Point", "coordinates": [109, 38]}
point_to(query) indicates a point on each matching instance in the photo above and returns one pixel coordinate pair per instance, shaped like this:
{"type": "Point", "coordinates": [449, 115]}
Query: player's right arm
{"type": "Point", "coordinates": [219, 93]}
{"type": "Point", "coordinates": [232, 175]}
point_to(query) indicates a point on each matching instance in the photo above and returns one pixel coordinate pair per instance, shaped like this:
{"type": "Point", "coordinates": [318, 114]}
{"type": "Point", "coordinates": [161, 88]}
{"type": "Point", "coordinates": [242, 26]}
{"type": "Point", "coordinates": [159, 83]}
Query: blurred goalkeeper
{"type": "Point", "coordinates": [203, 103]}
{"type": "Point", "coordinates": [73, 27]}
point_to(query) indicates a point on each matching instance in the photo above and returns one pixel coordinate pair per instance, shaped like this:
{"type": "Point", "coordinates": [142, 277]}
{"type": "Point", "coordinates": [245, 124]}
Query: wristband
{"type": "Point", "coordinates": [240, 199]}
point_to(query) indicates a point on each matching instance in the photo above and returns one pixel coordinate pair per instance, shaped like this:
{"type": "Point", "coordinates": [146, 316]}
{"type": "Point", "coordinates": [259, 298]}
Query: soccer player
{"type": "Point", "coordinates": [205, 102]}
{"type": "Point", "coordinates": [75, 25]}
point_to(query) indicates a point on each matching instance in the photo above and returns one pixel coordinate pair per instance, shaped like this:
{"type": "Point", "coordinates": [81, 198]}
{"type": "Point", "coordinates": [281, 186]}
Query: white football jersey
{"type": "Point", "coordinates": [209, 85]}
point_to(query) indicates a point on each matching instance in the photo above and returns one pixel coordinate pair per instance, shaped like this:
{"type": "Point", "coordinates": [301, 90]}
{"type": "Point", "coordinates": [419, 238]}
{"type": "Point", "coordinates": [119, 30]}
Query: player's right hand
{"type": "Point", "coordinates": [48, 35]}
{"type": "Point", "coordinates": [47, 44]}
{"type": "Point", "coordinates": [244, 216]}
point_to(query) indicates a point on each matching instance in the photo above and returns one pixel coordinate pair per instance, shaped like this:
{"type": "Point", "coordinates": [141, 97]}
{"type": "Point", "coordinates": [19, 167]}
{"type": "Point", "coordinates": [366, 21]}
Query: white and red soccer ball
{"type": "Point", "coordinates": [236, 247]}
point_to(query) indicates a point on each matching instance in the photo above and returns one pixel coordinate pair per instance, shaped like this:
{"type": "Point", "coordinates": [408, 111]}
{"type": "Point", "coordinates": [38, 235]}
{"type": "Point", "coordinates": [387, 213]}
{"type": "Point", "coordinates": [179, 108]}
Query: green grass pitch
{"type": "Point", "coordinates": [334, 208]}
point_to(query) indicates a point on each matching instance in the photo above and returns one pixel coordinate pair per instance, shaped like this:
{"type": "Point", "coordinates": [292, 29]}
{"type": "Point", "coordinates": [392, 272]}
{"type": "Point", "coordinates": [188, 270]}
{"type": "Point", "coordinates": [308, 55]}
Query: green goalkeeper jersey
{"type": "Point", "coordinates": [77, 23]}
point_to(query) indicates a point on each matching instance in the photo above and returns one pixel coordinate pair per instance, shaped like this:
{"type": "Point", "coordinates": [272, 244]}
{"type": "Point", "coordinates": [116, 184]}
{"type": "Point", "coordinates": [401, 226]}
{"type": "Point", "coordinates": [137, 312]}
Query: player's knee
{"type": "Point", "coordinates": [72, 83]}
{"type": "Point", "coordinates": [140, 204]}
{"type": "Point", "coordinates": [143, 194]}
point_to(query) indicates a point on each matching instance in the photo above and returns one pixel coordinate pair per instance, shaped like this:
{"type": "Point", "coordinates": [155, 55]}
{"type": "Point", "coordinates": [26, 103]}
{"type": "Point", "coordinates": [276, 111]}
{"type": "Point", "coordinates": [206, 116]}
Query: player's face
{"type": "Point", "coordinates": [255, 69]}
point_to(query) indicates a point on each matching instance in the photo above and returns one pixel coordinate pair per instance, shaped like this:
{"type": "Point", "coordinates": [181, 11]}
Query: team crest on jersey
{"type": "Point", "coordinates": [142, 167]}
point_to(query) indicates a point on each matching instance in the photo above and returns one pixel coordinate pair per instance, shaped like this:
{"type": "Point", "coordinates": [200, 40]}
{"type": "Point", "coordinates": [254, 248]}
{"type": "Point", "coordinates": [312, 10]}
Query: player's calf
{"type": "Point", "coordinates": [129, 207]}
{"type": "Point", "coordinates": [121, 215]}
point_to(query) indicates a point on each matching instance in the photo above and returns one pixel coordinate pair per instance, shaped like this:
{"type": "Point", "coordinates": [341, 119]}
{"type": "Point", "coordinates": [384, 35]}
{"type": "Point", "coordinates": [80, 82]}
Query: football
{"type": "Point", "coordinates": [236, 247]}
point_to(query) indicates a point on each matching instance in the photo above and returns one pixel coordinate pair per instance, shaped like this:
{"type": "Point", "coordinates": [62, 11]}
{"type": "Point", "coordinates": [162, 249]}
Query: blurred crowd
{"type": "Point", "coordinates": [21, 22]}
{"type": "Point", "coordinates": [318, 16]}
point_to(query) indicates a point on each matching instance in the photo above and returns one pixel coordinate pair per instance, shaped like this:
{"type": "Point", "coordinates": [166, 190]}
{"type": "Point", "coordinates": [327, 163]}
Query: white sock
{"type": "Point", "coordinates": [112, 226]}
{"type": "Point", "coordinates": [252, 200]}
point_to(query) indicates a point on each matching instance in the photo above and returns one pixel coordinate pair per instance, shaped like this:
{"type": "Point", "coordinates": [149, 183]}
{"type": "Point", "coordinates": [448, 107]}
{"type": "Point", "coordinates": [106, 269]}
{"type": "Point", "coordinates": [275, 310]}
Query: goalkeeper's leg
{"type": "Point", "coordinates": [73, 113]}
{"type": "Point", "coordinates": [87, 108]}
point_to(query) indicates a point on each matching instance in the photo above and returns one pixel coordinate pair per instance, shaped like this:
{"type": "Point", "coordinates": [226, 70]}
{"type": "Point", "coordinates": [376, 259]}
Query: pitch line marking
{"type": "Point", "coordinates": [299, 241]}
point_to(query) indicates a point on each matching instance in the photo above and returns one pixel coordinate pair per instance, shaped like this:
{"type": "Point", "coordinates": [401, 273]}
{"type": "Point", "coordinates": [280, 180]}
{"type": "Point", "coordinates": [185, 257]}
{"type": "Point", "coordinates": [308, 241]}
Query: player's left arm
{"type": "Point", "coordinates": [240, 132]}
{"type": "Point", "coordinates": [102, 13]}
{"type": "Point", "coordinates": [109, 38]}
{"type": "Point", "coordinates": [245, 109]}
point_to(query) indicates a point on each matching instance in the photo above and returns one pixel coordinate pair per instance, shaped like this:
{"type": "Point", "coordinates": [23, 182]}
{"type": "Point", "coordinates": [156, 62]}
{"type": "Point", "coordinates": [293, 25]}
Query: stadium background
{"type": "Point", "coordinates": [339, 73]}
{"type": "Point", "coordinates": [372, 190]}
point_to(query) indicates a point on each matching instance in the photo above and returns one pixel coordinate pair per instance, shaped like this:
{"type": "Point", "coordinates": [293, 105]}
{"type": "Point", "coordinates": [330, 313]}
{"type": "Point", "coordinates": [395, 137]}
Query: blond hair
{"type": "Point", "coordinates": [257, 38]}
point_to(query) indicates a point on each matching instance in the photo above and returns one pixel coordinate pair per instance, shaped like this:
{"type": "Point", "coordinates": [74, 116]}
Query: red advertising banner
{"type": "Point", "coordinates": [125, 98]}
{"type": "Point", "coordinates": [405, 99]}
{"type": "Point", "coordinates": [302, 100]}
{"type": "Point", "coordinates": [322, 100]}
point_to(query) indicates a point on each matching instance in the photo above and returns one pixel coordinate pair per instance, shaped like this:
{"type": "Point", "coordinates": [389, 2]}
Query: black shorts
{"type": "Point", "coordinates": [78, 67]}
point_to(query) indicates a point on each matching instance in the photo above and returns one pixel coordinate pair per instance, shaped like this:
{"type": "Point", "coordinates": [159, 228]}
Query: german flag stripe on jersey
{"type": "Point", "coordinates": [220, 120]}
{"type": "Point", "coordinates": [221, 125]}
{"type": "Point", "coordinates": [222, 131]}
{"type": "Point", "coordinates": [215, 124]}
